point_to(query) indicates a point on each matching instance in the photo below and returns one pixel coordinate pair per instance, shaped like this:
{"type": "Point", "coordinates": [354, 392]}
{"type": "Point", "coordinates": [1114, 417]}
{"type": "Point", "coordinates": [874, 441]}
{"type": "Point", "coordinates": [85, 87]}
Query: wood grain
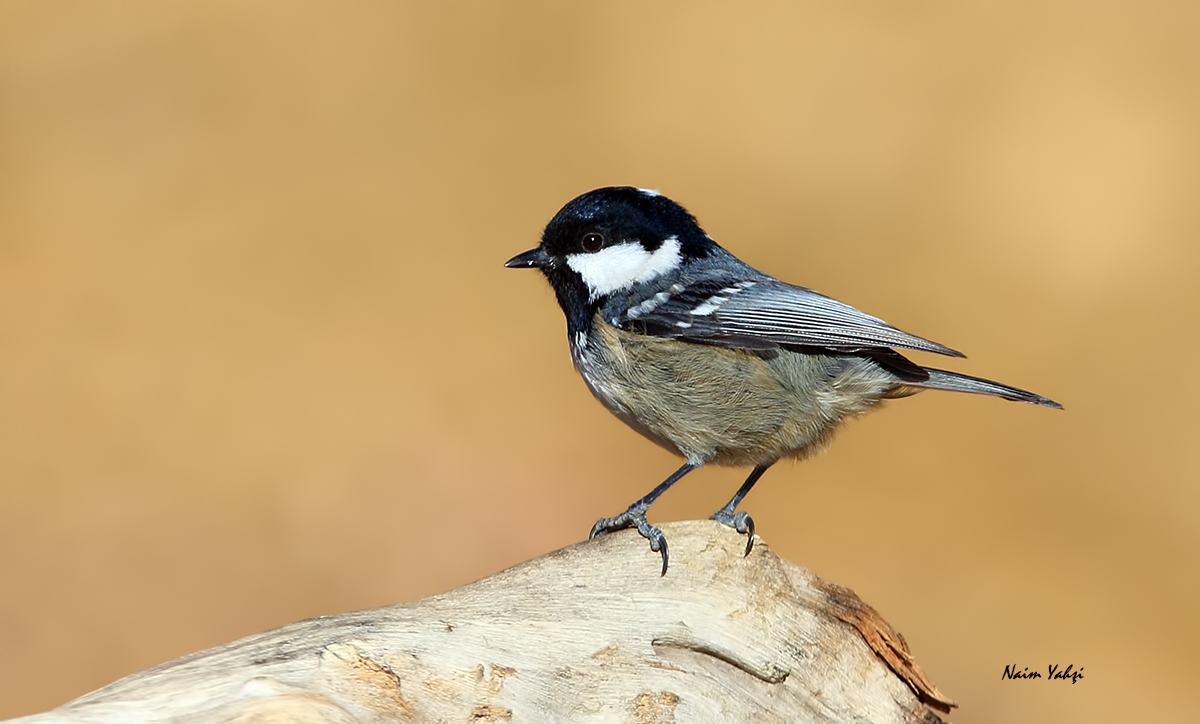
{"type": "Point", "coordinates": [589, 633]}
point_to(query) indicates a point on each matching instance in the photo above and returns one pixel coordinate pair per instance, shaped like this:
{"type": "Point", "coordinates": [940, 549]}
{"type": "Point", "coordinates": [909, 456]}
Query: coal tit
{"type": "Point", "coordinates": [711, 358]}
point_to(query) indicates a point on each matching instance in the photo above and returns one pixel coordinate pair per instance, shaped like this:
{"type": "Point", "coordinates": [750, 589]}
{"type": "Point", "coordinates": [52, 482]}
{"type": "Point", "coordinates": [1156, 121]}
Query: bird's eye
{"type": "Point", "coordinates": [592, 242]}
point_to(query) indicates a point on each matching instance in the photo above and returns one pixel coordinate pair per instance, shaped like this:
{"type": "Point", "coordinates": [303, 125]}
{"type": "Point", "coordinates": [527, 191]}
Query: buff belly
{"type": "Point", "coordinates": [726, 406]}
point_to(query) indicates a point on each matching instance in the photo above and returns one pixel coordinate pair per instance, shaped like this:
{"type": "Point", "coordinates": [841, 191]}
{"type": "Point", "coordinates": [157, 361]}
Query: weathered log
{"type": "Point", "coordinates": [589, 633]}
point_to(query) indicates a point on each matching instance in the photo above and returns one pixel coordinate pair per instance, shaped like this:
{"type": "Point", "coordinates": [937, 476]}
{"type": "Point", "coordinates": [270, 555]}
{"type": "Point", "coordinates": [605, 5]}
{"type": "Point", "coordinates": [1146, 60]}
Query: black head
{"type": "Point", "coordinates": [611, 240]}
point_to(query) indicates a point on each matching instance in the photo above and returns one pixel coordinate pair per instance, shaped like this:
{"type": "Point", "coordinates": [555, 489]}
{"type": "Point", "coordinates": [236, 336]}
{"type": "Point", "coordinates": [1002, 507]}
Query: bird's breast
{"type": "Point", "coordinates": [715, 404]}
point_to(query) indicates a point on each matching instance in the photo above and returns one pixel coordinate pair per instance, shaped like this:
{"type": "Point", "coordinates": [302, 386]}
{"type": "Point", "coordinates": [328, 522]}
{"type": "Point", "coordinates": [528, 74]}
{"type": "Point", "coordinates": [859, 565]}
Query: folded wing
{"type": "Point", "coordinates": [764, 313]}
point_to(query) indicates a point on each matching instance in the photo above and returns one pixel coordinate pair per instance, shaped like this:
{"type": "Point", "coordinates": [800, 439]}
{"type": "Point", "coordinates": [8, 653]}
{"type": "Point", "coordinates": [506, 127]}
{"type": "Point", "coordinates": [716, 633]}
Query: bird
{"type": "Point", "coordinates": [710, 358]}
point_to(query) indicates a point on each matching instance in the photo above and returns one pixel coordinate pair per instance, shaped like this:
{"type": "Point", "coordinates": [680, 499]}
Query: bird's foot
{"type": "Point", "coordinates": [635, 517]}
{"type": "Point", "coordinates": [740, 521]}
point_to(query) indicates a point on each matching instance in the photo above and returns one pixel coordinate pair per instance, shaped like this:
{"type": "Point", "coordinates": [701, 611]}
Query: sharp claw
{"type": "Point", "coordinates": [658, 541]}
{"type": "Point", "coordinates": [629, 519]}
{"type": "Point", "coordinates": [634, 518]}
{"type": "Point", "coordinates": [741, 522]}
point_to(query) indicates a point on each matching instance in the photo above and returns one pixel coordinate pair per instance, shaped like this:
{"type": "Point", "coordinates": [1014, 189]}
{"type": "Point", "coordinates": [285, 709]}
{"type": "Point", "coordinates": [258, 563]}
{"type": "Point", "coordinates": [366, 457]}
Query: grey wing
{"type": "Point", "coordinates": [765, 313]}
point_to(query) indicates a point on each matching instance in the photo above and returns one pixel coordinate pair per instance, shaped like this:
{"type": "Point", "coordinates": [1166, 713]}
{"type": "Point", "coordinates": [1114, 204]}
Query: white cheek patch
{"type": "Point", "coordinates": [624, 265]}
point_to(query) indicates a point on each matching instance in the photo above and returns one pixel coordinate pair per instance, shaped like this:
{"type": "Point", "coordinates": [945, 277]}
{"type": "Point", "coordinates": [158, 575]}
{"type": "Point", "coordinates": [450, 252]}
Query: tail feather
{"type": "Point", "coordinates": [957, 382]}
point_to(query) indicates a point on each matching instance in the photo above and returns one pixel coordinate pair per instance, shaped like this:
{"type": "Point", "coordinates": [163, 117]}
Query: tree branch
{"type": "Point", "coordinates": [588, 633]}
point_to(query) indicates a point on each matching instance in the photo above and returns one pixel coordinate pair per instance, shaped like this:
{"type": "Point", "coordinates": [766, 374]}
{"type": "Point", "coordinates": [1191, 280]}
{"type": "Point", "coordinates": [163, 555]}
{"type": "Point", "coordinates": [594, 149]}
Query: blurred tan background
{"type": "Point", "coordinates": [259, 359]}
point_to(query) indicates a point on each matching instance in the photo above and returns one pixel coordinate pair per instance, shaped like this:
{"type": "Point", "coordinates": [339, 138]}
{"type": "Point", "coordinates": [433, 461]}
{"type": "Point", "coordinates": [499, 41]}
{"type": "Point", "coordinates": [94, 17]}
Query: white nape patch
{"type": "Point", "coordinates": [649, 192]}
{"type": "Point", "coordinates": [581, 340]}
{"type": "Point", "coordinates": [624, 265]}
